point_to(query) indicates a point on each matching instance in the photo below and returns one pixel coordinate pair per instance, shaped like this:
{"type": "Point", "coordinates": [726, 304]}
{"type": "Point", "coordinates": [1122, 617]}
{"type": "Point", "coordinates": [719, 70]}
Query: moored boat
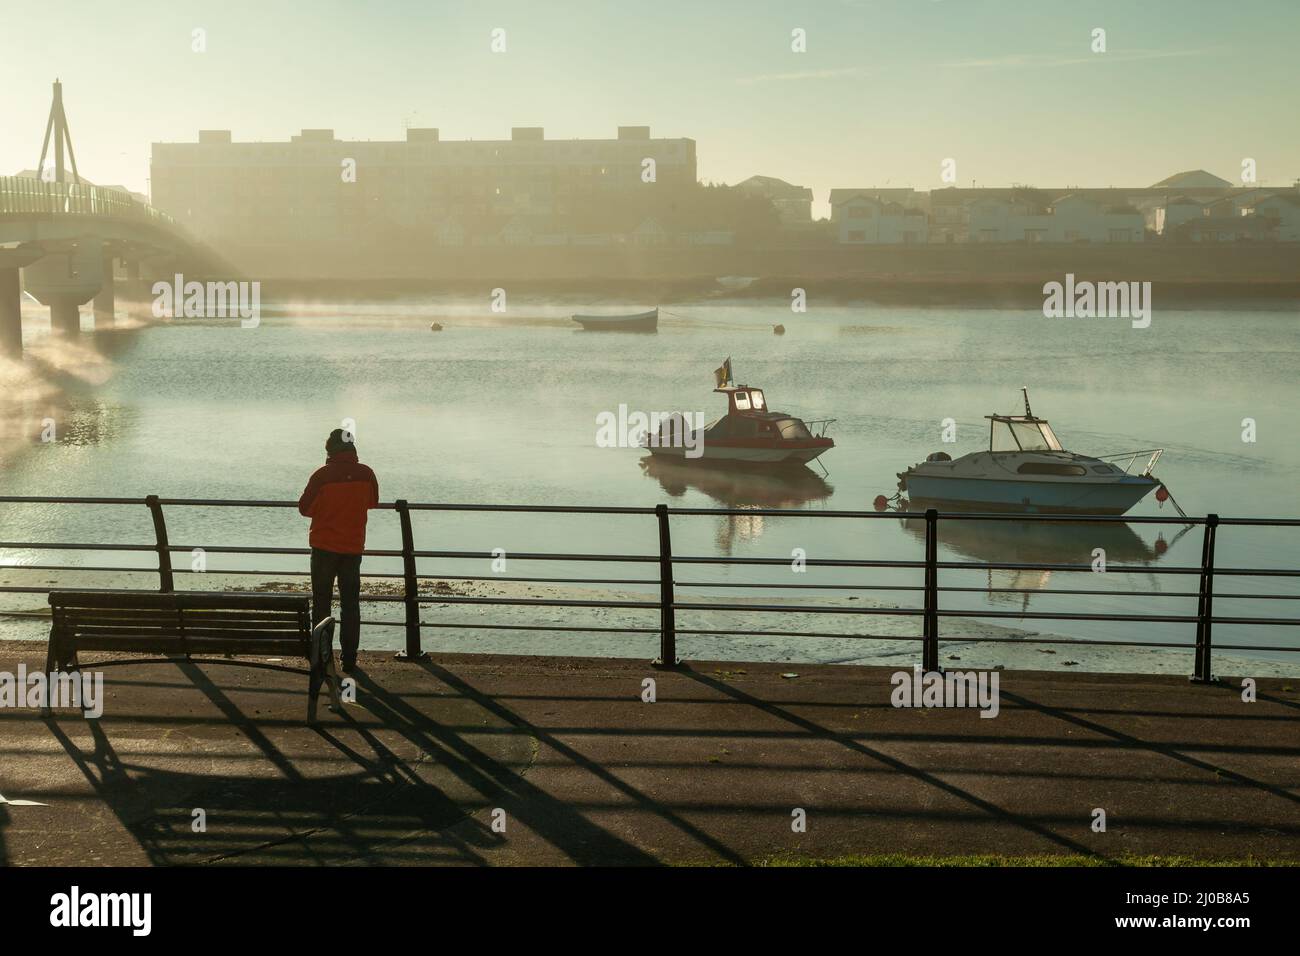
{"type": "Point", "coordinates": [1026, 470]}
{"type": "Point", "coordinates": [749, 433]}
{"type": "Point", "coordinates": [633, 322]}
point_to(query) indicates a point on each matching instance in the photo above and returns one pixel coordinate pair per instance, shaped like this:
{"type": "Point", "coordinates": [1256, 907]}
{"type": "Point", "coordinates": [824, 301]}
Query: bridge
{"type": "Point", "coordinates": [62, 238]}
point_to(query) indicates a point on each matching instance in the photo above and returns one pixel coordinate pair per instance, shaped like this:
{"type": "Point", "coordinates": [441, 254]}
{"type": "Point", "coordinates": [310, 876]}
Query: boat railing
{"type": "Point", "coordinates": [1133, 456]}
{"type": "Point", "coordinates": [428, 602]}
{"type": "Point", "coordinates": [825, 423]}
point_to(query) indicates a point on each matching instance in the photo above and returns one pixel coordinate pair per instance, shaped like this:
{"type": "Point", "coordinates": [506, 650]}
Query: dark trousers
{"type": "Point", "coordinates": [325, 567]}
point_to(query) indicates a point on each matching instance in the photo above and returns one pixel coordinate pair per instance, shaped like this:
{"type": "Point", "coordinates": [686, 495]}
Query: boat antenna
{"type": "Point", "coordinates": [1025, 390]}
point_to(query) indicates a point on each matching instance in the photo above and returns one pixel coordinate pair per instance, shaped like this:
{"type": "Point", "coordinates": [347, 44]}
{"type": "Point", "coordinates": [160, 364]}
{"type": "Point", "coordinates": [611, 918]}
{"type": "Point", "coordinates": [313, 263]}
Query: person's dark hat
{"type": "Point", "coordinates": [340, 440]}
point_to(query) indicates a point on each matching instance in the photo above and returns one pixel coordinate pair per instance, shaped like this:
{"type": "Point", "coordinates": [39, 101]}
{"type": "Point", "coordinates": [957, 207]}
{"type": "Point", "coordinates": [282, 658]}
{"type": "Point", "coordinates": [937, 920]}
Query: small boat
{"type": "Point", "coordinates": [1027, 470]}
{"type": "Point", "coordinates": [749, 433]}
{"type": "Point", "coordinates": [636, 322]}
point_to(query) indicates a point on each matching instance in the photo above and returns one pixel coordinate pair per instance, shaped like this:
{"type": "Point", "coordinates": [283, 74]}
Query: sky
{"type": "Point", "coordinates": [884, 92]}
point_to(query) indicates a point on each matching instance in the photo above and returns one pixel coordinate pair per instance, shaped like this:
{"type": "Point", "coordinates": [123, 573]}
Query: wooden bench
{"type": "Point", "coordinates": [183, 623]}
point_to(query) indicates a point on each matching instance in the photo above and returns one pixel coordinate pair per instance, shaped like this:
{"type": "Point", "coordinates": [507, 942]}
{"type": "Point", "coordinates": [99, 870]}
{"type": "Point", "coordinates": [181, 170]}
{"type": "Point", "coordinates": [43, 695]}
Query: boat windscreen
{"type": "Point", "coordinates": [1000, 437]}
{"type": "Point", "coordinates": [756, 396]}
{"type": "Point", "coordinates": [1050, 435]}
{"type": "Point", "coordinates": [792, 428]}
{"type": "Point", "coordinates": [1031, 438]}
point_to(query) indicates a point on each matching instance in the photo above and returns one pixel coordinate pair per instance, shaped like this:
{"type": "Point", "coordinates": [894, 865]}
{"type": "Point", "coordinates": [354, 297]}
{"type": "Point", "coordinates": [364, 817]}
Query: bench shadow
{"type": "Point", "coordinates": [362, 816]}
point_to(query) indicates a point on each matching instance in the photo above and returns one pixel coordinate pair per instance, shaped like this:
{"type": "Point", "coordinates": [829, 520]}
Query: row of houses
{"type": "Point", "coordinates": [534, 230]}
{"type": "Point", "coordinates": [1193, 206]}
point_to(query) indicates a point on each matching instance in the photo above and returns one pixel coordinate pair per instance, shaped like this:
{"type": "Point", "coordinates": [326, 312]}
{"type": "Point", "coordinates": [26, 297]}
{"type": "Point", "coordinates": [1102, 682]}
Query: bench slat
{"type": "Point", "coordinates": [178, 599]}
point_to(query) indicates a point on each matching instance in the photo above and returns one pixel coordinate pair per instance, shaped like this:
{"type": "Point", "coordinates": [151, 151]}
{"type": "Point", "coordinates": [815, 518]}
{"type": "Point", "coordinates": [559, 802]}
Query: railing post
{"type": "Point", "coordinates": [930, 618]}
{"type": "Point", "coordinates": [166, 583]}
{"type": "Point", "coordinates": [411, 585]}
{"type": "Point", "coordinates": [667, 614]}
{"type": "Point", "coordinates": [1203, 674]}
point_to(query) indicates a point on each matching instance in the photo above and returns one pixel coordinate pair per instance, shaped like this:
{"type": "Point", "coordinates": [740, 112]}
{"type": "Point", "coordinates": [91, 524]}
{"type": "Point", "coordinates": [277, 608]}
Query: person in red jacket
{"type": "Point", "coordinates": [336, 499]}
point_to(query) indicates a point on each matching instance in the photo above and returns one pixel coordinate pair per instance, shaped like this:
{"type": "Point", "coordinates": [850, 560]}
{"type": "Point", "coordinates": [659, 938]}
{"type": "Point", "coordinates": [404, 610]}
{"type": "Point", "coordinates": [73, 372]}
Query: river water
{"type": "Point", "coordinates": [502, 408]}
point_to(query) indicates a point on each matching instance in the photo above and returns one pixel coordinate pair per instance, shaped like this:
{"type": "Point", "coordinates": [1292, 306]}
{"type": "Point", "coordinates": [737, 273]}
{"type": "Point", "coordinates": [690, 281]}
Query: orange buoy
{"type": "Point", "coordinates": [1162, 494]}
{"type": "Point", "coordinates": [881, 502]}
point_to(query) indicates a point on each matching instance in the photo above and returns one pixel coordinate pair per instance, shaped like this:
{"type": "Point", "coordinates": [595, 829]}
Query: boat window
{"type": "Point", "coordinates": [757, 398]}
{"type": "Point", "coordinates": [1001, 439]}
{"type": "Point", "coordinates": [742, 400]}
{"type": "Point", "coordinates": [1030, 438]}
{"type": "Point", "coordinates": [1103, 469]}
{"type": "Point", "coordinates": [1050, 468]}
{"type": "Point", "coordinates": [792, 428]}
{"type": "Point", "coordinates": [1050, 435]}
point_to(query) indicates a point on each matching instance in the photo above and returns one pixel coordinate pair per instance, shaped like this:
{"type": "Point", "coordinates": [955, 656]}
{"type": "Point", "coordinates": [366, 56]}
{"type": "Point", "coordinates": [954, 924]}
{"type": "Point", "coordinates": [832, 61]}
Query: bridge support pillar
{"type": "Point", "coordinates": [65, 316]}
{"type": "Point", "coordinates": [65, 278]}
{"type": "Point", "coordinates": [11, 315]}
{"type": "Point", "coordinates": [105, 301]}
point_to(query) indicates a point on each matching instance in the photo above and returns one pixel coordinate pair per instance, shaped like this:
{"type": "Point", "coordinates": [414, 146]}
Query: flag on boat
{"type": "Point", "coordinates": [723, 374]}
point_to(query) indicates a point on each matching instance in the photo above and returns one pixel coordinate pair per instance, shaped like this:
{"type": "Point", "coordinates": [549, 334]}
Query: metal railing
{"type": "Point", "coordinates": [668, 563]}
{"type": "Point", "coordinates": [23, 195]}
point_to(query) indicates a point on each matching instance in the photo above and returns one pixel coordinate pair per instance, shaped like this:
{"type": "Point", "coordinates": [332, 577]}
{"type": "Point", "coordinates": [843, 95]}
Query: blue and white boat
{"type": "Point", "coordinates": [1027, 470]}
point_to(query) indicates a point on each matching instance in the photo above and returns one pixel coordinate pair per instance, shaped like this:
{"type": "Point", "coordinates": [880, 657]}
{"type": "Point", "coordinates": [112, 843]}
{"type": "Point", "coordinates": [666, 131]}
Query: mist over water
{"type": "Point", "coordinates": [502, 408]}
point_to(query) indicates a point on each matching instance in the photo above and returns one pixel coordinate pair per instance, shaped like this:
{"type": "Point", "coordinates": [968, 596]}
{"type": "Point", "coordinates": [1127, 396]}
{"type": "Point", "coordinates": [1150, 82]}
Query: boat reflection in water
{"type": "Point", "coordinates": [1009, 541]}
{"type": "Point", "coordinates": [737, 486]}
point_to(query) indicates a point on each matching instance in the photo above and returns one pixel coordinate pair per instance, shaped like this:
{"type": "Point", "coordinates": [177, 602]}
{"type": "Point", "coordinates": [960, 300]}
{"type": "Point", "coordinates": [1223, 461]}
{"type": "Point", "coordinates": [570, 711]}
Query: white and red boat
{"type": "Point", "coordinates": [750, 433]}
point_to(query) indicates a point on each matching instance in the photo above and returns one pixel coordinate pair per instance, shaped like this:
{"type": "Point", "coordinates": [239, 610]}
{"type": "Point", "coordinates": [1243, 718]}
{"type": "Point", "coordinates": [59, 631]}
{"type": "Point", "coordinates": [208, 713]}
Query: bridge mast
{"type": "Point", "coordinates": [58, 126]}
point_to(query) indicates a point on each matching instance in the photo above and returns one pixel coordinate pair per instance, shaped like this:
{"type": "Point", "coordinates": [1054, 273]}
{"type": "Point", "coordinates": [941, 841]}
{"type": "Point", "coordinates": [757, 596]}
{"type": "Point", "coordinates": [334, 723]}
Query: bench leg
{"type": "Point", "coordinates": [321, 658]}
{"type": "Point", "coordinates": [51, 659]}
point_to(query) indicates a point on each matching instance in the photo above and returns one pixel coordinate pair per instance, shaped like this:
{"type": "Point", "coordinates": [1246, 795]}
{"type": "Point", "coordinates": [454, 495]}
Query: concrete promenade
{"type": "Point", "coordinates": [585, 772]}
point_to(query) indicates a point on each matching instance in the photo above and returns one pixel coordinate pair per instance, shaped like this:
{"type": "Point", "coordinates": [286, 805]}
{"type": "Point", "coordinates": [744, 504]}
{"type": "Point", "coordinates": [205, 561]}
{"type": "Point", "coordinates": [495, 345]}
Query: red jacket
{"type": "Point", "coordinates": [336, 499]}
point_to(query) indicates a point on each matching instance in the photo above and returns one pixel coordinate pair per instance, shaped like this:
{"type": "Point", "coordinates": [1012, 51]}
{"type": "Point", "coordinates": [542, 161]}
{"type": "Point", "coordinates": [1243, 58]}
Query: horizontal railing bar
{"type": "Point", "coordinates": [809, 562]}
{"type": "Point", "coordinates": [647, 581]}
{"type": "Point", "coordinates": [537, 556]}
{"type": "Point", "coordinates": [861, 637]}
{"type": "Point", "coordinates": [48, 499]}
{"type": "Point", "coordinates": [1111, 569]}
{"type": "Point", "coordinates": [633, 510]}
{"type": "Point", "coordinates": [798, 609]}
{"type": "Point", "coordinates": [537, 602]}
{"type": "Point", "coordinates": [977, 590]}
{"type": "Point", "coordinates": [1256, 647]}
{"type": "Point", "coordinates": [76, 546]}
{"type": "Point", "coordinates": [542, 627]}
{"type": "Point", "coordinates": [1063, 640]}
{"type": "Point", "coordinates": [524, 580]}
{"type": "Point", "coordinates": [539, 509]}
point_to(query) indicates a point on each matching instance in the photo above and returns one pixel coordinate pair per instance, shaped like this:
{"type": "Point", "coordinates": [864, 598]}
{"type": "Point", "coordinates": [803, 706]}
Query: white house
{"type": "Point", "coordinates": [1072, 218]}
{"type": "Point", "coordinates": [864, 220]}
{"type": "Point", "coordinates": [1282, 207]}
{"type": "Point", "coordinates": [1177, 211]}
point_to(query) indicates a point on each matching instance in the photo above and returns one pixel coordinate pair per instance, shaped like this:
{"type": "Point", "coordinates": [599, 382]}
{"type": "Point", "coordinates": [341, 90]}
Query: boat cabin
{"type": "Point", "coordinates": [749, 417]}
{"type": "Point", "coordinates": [742, 399]}
{"type": "Point", "coordinates": [1021, 433]}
